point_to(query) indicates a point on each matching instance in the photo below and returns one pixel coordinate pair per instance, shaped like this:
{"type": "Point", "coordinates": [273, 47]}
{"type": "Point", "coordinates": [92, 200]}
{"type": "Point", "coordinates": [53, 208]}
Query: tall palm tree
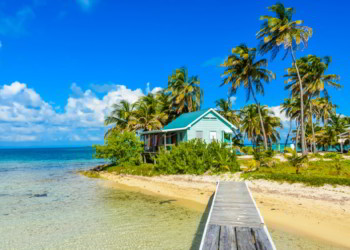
{"type": "Point", "coordinates": [312, 72]}
{"type": "Point", "coordinates": [120, 116]}
{"type": "Point", "coordinates": [243, 69]}
{"type": "Point", "coordinates": [281, 31]}
{"type": "Point", "coordinates": [250, 124]}
{"type": "Point", "coordinates": [186, 94]}
{"type": "Point", "coordinates": [225, 109]}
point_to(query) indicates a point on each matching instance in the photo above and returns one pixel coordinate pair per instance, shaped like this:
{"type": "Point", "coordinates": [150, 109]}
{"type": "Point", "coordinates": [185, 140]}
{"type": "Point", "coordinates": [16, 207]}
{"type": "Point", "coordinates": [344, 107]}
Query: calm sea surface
{"type": "Point", "coordinates": [45, 204]}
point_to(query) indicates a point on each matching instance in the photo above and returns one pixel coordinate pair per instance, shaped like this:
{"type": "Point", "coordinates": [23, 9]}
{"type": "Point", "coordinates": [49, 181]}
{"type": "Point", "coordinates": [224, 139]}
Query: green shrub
{"type": "Point", "coordinates": [247, 150]}
{"type": "Point", "coordinates": [330, 155]}
{"type": "Point", "coordinates": [121, 148]}
{"type": "Point", "coordinates": [196, 157]}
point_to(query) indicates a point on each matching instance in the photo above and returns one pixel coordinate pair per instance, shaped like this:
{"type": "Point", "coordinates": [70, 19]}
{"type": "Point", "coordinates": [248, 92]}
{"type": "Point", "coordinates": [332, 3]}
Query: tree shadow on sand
{"type": "Point", "coordinates": [196, 242]}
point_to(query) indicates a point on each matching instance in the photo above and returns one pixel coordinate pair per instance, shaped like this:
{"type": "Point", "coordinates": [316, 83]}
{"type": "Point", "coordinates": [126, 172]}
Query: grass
{"type": "Point", "coordinates": [143, 169]}
{"type": "Point", "coordinates": [317, 173]}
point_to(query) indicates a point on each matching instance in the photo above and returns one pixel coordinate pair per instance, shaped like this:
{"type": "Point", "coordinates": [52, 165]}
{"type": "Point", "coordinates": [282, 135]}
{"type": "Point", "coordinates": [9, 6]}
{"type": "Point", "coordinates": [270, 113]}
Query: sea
{"type": "Point", "coordinates": [46, 204]}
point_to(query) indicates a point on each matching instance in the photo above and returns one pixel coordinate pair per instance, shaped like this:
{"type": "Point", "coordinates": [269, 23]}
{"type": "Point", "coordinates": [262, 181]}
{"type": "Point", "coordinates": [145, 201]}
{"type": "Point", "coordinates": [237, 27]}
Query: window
{"type": "Point", "coordinates": [213, 135]}
{"type": "Point", "coordinates": [199, 134]}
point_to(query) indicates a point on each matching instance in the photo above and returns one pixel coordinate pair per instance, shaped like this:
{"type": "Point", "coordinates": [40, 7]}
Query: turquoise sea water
{"type": "Point", "coordinates": [45, 204]}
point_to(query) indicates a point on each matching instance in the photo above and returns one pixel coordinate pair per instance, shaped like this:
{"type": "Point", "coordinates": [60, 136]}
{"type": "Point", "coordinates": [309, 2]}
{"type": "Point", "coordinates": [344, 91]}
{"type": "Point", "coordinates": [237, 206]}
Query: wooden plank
{"type": "Point", "coordinates": [245, 239]}
{"type": "Point", "coordinates": [212, 238]}
{"type": "Point", "coordinates": [262, 241]}
{"type": "Point", "coordinates": [227, 238]}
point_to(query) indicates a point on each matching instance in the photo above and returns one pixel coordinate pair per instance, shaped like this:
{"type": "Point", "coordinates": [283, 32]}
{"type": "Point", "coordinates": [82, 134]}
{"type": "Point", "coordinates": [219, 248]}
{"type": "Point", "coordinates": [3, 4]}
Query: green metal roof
{"type": "Point", "coordinates": [184, 120]}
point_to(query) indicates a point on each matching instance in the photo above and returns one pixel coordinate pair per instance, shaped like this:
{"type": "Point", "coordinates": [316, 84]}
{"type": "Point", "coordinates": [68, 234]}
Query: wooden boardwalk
{"type": "Point", "coordinates": [234, 221]}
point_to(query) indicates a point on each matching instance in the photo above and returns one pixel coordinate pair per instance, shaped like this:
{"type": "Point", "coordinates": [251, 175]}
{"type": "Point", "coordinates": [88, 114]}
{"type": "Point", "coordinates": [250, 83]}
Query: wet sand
{"type": "Point", "coordinates": [321, 214]}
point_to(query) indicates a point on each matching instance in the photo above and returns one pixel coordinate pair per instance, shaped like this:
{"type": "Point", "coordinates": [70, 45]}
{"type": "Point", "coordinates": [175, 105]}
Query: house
{"type": "Point", "coordinates": [207, 125]}
{"type": "Point", "coordinates": [343, 137]}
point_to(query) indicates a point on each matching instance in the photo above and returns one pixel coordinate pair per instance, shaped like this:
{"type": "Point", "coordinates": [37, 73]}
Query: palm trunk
{"type": "Point", "coordinates": [296, 137]}
{"type": "Point", "coordinates": [313, 131]}
{"type": "Point", "coordinates": [301, 106]}
{"type": "Point", "coordinates": [290, 129]}
{"type": "Point", "coordinates": [261, 120]}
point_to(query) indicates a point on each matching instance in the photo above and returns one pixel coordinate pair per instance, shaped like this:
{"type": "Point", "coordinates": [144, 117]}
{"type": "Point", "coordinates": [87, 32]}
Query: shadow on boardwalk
{"type": "Point", "coordinates": [196, 242]}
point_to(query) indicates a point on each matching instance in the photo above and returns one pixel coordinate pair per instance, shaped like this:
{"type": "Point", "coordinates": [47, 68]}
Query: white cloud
{"type": "Point", "coordinates": [156, 90]}
{"type": "Point", "coordinates": [233, 100]}
{"type": "Point", "coordinates": [277, 110]}
{"type": "Point", "coordinates": [25, 116]}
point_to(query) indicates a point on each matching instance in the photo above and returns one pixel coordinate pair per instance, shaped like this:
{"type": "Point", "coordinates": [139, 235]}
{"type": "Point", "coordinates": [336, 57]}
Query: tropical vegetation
{"type": "Point", "coordinates": [313, 126]}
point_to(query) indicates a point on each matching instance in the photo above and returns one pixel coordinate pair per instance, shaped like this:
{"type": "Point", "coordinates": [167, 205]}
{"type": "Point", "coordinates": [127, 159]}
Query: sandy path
{"type": "Point", "coordinates": [322, 213]}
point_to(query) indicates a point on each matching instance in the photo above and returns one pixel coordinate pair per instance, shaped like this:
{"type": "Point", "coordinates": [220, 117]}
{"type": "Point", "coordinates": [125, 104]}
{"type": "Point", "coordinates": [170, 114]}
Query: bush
{"type": "Point", "coordinates": [330, 155]}
{"type": "Point", "coordinates": [121, 148]}
{"type": "Point", "coordinates": [196, 157]}
{"type": "Point", "coordinates": [247, 150]}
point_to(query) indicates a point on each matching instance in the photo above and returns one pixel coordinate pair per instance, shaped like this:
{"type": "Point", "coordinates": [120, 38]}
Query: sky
{"type": "Point", "coordinates": [64, 63]}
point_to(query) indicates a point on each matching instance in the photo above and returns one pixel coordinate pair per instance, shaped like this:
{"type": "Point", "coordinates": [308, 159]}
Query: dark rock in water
{"type": "Point", "coordinates": [40, 195]}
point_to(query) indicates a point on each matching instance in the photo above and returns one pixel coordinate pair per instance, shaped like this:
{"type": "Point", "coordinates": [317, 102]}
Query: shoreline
{"type": "Point", "coordinates": [318, 213]}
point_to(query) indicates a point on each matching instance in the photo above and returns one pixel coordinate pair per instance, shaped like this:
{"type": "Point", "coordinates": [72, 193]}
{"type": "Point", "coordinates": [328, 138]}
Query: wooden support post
{"type": "Point", "coordinates": [341, 147]}
{"type": "Point", "coordinates": [165, 141]}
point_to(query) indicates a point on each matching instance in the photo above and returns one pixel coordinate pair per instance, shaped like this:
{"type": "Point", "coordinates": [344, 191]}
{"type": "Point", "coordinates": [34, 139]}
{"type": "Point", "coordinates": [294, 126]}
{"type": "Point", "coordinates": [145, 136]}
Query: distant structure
{"type": "Point", "coordinates": [207, 125]}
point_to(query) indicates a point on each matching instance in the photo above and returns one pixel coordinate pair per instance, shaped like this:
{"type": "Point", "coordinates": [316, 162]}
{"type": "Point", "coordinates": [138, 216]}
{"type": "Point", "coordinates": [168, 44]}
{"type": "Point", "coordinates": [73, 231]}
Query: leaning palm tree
{"type": "Point", "coordinates": [312, 72]}
{"type": "Point", "coordinates": [250, 123]}
{"type": "Point", "coordinates": [225, 109]}
{"type": "Point", "coordinates": [243, 69]}
{"type": "Point", "coordinates": [186, 94]}
{"type": "Point", "coordinates": [280, 31]}
{"type": "Point", "coordinates": [120, 115]}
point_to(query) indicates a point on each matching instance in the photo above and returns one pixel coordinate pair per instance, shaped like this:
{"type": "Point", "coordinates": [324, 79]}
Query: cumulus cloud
{"type": "Point", "coordinates": [233, 100]}
{"type": "Point", "coordinates": [25, 116]}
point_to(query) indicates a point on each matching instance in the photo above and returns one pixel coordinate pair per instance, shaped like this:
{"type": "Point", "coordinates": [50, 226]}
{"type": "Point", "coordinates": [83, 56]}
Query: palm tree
{"type": "Point", "coordinates": [225, 109]}
{"type": "Point", "coordinates": [146, 118]}
{"type": "Point", "coordinates": [186, 94]}
{"type": "Point", "coordinates": [120, 116]}
{"type": "Point", "coordinates": [165, 105]}
{"type": "Point", "coordinates": [280, 30]}
{"type": "Point", "coordinates": [250, 124]}
{"type": "Point", "coordinates": [312, 72]}
{"type": "Point", "coordinates": [288, 108]}
{"type": "Point", "coordinates": [242, 69]}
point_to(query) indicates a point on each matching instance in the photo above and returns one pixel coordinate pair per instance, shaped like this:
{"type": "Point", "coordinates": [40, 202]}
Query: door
{"type": "Point", "coordinates": [213, 136]}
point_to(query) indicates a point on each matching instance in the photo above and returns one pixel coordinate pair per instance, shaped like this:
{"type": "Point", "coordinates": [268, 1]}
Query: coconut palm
{"type": "Point", "coordinates": [146, 118]}
{"type": "Point", "coordinates": [120, 116]}
{"type": "Point", "coordinates": [225, 109]}
{"type": "Point", "coordinates": [312, 72]}
{"type": "Point", "coordinates": [250, 123]}
{"type": "Point", "coordinates": [241, 68]}
{"type": "Point", "coordinates": [165, 105]}
{"type": "Point", "coordinates": [280, 31]}
{"type": "Point", "coordinates": [186, 94]}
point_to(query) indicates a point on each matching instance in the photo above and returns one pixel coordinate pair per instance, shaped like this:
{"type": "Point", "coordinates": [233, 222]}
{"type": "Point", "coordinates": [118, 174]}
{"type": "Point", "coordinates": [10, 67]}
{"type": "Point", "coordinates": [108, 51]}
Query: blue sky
{"type": "Point", "coordinates": [63, 63]}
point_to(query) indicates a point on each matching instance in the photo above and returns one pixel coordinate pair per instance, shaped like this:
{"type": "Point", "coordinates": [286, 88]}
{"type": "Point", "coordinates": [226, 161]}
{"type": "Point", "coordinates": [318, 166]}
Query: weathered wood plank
{"type": "Point", "coordinates": [262, 242]}
{"type": "Point", "coordinates": [227, 238]}
{"type": "Point", "coordinates": [245, 239]}
{"type": "Point", "coordinates": [235, 222]}
{"type": "Point", "coordinates": [212, 238]}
